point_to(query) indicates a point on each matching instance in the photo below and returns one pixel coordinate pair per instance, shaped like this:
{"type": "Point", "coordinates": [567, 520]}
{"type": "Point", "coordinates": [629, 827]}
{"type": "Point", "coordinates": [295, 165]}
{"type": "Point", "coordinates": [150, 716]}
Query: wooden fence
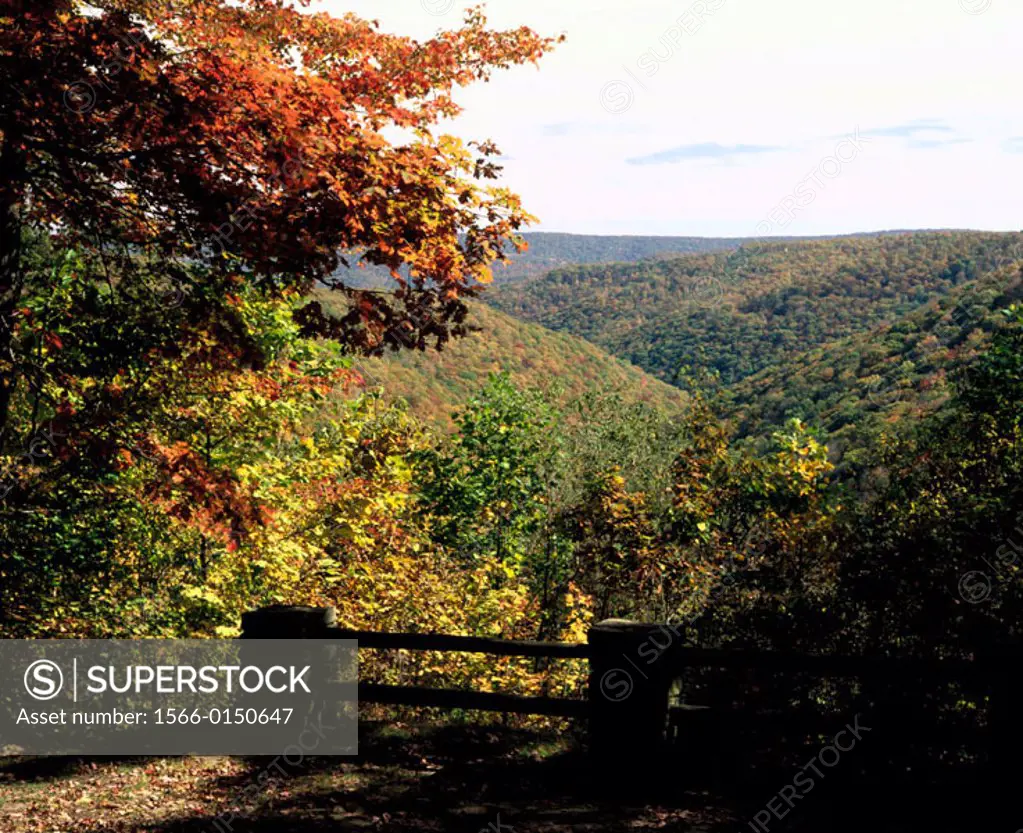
{"type": "Point", "coordinates": [319, 623]}
{"type": "Point", "coordinates": [632, 666]}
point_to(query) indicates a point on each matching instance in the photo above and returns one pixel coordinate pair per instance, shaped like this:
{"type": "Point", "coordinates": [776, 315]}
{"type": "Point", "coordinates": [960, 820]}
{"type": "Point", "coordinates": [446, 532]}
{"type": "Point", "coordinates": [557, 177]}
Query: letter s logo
{"type": "Point", "coordinates": [616, 685]}
{"type": "Point", "coordinates": [44, 679]}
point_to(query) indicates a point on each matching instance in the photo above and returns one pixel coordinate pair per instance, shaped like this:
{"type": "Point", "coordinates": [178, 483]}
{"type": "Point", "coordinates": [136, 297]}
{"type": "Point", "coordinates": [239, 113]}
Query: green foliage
{"type": "Point", "coordinates": [617, 547]}
{"type": "Point", "coordinates": [637, 512]}
{"type": "Point", "coordinates": [743, 311]}
{"type": "Point", "coordinates": [488, 488]}
{"type": "Point", "coordinates": [846, 334]}
{"type": "Point", "coordinates": [937, 535]}
{"type": "Point", "coordinates": [152, 451]}
{"type": "Point", "coordinates": [857, 388]}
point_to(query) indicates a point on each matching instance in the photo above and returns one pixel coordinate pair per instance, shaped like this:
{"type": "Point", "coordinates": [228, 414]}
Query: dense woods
{"type": "Point", "coordinates": [843, 334]}
{"type": "Point", "coordinates": [736, 313]}
{"type": "Point", "coordinates": [435, 384]}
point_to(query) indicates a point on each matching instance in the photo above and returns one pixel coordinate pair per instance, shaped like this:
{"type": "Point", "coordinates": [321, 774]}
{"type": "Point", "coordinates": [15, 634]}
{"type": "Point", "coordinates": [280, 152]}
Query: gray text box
{"type": "Point", "coordinates": [178, 697]}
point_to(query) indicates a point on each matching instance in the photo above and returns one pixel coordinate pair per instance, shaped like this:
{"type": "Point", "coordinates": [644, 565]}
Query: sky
{"type": "Point", "coordinates": [747, 117]}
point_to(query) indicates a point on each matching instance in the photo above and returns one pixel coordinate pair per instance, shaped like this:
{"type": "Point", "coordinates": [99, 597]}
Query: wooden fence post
{"type": "Point", "coordinates": [296, 622]}
{"type": "Point", "coordinates": [628, 694]}
{"type": "Point", "coordinates": [288, 622]}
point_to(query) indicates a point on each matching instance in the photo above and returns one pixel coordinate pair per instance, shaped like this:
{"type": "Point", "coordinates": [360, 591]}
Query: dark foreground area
{"type": "Point", "coordinates": [461, 778]}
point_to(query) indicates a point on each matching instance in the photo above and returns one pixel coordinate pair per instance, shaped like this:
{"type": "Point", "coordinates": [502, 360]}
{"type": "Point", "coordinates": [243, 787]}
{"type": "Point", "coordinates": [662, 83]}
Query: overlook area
{"type": "Point", "coordinates": [602, 417]}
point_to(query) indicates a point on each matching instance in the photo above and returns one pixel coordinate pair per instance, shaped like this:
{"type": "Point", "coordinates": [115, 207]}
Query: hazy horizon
{"type": "Point", "coordinates": [781, 236]}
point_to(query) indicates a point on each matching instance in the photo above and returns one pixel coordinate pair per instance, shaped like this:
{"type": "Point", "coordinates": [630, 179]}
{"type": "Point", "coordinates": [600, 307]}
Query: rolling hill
{"type": "Point", "coordinates": [434, 383]}
{"type": "Point", "coordinates": [555, 250]}
{"type": "Point", "coordinates": [738, 313]}
{"type": "Point", "coordinates": [847, 333]}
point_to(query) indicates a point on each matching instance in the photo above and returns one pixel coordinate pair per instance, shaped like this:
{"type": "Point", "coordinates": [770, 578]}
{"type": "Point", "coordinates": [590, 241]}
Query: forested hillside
{"type": "Point", "coordinates": [908, 368]}
{"type": "Point", "coordinates": [436, 383]}
{"type": "Point", "coordinates": [553, 250]}
{"type": "Point", "coordinates": [738, 313]}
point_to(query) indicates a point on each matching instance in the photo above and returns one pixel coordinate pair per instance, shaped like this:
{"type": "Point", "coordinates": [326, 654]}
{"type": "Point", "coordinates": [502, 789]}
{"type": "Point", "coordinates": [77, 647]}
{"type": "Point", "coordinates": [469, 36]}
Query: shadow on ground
{"type": "Point", "coordinates": [506, 781]}
{"type": "Point", "coordinates": [448, 779]}
{"type": "Point", "coordinates": [500, 780]}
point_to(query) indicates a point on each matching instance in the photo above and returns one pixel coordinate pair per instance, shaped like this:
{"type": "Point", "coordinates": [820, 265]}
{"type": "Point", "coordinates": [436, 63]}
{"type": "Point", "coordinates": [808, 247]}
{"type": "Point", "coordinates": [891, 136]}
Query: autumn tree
{"type": "Point", "coordinates": [617, 550]}
{"type": "Point", "coordinates": [753, 527]}
{"type": "Point", "coordinates": [251, 138]}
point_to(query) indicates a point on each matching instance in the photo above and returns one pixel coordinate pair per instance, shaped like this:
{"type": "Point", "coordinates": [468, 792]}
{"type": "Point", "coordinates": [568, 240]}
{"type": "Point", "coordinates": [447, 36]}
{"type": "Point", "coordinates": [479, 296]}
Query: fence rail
{"type": "Point", "coordinates": [447, 698]}
{"type": "Point", "coordinates": [319, 623]}
{"type": "Point", "coordinates": [463, 644]}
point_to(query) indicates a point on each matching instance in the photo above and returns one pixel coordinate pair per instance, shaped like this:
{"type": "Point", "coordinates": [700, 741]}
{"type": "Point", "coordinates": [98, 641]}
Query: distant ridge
{"type": "Point", "coordinates": [549, 250]}
{"type": "Point", "coordinates": [552, 250]}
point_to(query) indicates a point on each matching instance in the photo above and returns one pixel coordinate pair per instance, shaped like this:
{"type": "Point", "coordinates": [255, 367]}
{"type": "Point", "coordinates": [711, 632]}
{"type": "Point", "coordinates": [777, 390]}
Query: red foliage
{"type": "Point", "coordinates": [202, 127]}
